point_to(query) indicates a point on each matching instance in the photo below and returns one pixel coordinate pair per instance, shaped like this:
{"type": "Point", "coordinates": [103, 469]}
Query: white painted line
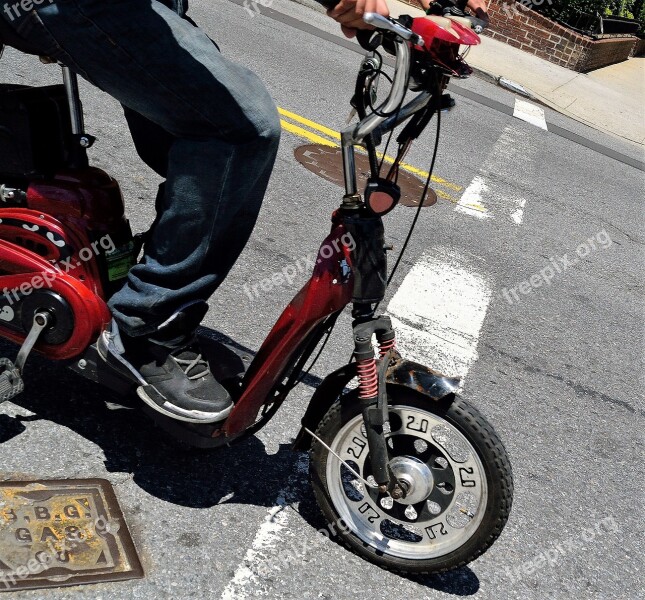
{"type": "Point", "coordinates": [518, 215]}
{"type": "Point", "coordinates": [439, 310]}
{"type": "Point", "coordinates": [471, 202]}
{"type": "Point", "coordinates": [531, 113]}
{"type": "Point", "coordinates": [268, 537]}
{"type": "Point", "coordinates": [493, 192]}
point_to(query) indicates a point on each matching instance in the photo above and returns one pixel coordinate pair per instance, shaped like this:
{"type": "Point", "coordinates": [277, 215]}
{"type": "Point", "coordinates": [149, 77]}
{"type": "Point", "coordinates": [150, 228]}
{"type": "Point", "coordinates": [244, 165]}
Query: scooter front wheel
{"type": "Point", "coordinates": [455, 470]}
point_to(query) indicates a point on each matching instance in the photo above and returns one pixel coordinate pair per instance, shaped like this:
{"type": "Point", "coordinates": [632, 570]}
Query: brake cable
{"type": "Point", "coordinates": [363, 97]}
{"type": "Point", "coordinates": [424, 194]}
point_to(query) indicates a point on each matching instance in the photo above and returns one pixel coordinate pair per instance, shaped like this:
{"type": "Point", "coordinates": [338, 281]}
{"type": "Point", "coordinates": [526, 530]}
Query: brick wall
{"type": "Point", "coordinates": [639, 48]}
{"type": "Point", "coordinates": [607, 52]}
{"type": "Point", "coordinates": [528, 30]}
{"type": "Point", "coordinates": [533, 33]}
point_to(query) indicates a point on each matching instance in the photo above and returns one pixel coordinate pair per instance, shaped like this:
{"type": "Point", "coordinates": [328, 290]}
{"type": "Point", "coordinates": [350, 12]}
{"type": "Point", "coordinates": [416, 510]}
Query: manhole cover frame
{"type": "Point", "coordinates": [325, 161]}
{"type": "Point", "coordinates": [122, 548]}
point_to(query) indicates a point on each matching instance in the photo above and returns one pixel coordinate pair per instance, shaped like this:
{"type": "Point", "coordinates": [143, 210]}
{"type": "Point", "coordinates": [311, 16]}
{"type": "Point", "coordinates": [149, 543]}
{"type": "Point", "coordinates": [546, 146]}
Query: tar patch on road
{"type": "Point", "coordinates": [63, 532]}
{"type": "Point", "coordinates": [327, 162]}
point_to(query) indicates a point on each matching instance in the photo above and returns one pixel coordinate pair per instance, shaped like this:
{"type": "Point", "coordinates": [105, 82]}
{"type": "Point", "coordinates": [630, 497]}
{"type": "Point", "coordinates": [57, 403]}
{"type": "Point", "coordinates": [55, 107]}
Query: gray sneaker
{"type": "Point", "coordinates": [172, 375]}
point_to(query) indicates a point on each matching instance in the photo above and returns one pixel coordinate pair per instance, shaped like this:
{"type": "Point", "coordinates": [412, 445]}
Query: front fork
{"type": "Point", "coordinates": [370, 282]}
{"type": "Point", "coordinates": [372, 394]}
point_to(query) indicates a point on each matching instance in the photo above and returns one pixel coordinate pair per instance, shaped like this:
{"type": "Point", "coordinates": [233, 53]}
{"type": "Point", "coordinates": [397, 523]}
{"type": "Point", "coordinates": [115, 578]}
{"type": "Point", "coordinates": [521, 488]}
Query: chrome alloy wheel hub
{"type": "Point", "coordinates": [415, 478]}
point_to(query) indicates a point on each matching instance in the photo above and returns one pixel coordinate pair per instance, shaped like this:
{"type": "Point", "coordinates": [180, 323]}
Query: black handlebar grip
{"type": "Point", "coordinates": [369, 39]}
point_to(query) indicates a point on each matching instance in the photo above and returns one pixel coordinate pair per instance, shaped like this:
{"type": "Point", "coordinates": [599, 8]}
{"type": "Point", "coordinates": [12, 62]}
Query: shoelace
{"type": "Point", "coordinates": [198, 361]}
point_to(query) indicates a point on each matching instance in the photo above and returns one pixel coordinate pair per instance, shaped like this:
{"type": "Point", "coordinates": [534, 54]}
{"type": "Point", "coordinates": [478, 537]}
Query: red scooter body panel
{"type": "Point", "coordinates": [329, 290]}
{"type": "Point", "coordinates": [455, 33]}
{"type": "Point", "coordinates": [90, 204]}
{"type": "Point", "coordinates": [27, 269]}
{"type": "Point", "coordinates": [54, 241]}
{"type": "Point", "coordinates": [89, 199]}
{"type": "Point", "coordinates": [49, 239]}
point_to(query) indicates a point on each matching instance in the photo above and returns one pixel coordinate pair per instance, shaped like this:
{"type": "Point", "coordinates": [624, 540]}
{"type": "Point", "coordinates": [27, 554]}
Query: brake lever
{"type": "Point", "coordinates": [477, 23]}
{"type": "Point", "coordinates": [382, 23]}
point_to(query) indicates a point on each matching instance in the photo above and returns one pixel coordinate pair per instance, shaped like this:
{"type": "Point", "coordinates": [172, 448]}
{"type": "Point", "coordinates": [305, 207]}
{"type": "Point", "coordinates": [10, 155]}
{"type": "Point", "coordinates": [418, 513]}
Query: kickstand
{"type": "Point", "coordinates": [11, 383]}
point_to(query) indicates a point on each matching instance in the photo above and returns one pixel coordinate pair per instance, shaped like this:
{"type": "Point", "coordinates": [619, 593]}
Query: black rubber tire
{"type": "Point", "coordinates": [479, 433]}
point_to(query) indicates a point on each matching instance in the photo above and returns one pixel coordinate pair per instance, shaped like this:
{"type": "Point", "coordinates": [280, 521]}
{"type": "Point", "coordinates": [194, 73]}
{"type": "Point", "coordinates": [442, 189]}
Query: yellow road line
{"type": "Point", "coordinates": [317, 139]}
{"type": "Point", "coordinates": [475, 206]}
{"type": "Point", "coordinates": [446, 196]}
{"type": "Point", "coordinates": [315, 126]}
{"type": "Point", "coordinates": [423, 174]}
{"type": "Point", "coordinates": [312, 137]}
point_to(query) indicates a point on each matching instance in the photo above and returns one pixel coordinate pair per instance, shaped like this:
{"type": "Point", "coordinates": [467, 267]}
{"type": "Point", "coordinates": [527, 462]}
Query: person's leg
{"type": "Point", "coordinates": [152, 142]}
{"type": "Point", "coordinates": [222, 136]}
{"type": "Point", "coordinates": [225, 129]}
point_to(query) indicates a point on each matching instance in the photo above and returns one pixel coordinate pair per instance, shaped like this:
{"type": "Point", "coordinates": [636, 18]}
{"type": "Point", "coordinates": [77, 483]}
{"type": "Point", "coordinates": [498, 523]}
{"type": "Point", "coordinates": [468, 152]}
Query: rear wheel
{"type": "Point", "coordinates": [458, 476]}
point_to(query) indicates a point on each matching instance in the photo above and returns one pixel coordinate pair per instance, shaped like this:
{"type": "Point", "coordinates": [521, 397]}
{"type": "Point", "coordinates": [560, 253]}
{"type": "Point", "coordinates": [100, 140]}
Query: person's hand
{"type": "Point", "coordinates": [479, 8]}
{"type": "Point", "coordinates": [349, 13]}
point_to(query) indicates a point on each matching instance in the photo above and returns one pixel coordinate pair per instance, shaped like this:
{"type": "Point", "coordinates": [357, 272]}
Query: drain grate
{"type": "Point", "coordinates": [327, 162]}
{"type": "Point", "coordinates": [57, 533]}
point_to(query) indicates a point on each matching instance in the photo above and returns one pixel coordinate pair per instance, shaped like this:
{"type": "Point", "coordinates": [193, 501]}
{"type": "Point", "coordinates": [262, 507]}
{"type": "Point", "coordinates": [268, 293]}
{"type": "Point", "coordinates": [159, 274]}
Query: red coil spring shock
{"type": "Point", "coordinates": [367, 378]}
{"type": "Point", "coordinates": [385, 347]}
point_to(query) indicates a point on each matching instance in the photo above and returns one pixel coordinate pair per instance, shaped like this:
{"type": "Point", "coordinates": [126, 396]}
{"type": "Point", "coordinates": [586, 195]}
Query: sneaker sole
{"type": "Point", "coordinates": [167, 409]}
{"type": "Point", "coordinates": [188, 416]}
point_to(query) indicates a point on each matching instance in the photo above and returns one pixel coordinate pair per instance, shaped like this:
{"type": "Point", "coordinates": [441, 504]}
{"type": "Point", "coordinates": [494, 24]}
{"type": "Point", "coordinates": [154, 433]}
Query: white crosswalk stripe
{"type": "Point", "coordinates": [531, 113]}
{"type": "Point", "coordinates": [439, 309]}
{"type": "Point", "coordinates": [268, 537]}
{"type": "Point", "coordinates": [493, 191]}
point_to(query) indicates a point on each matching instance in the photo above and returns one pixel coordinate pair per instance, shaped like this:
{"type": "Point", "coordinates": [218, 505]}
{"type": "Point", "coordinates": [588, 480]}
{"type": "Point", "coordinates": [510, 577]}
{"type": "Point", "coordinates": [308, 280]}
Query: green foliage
{"type": "Point", "coordinates": [570, 10]}
{"type": "Point", "coordinates": [639, 12]}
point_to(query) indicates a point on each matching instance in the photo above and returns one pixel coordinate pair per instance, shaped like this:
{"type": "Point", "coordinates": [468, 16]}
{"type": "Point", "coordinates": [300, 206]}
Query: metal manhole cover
{"type": "Point", "coordinates": [63, 532]}
{"type": "Point", "coordinates": [327, 162]}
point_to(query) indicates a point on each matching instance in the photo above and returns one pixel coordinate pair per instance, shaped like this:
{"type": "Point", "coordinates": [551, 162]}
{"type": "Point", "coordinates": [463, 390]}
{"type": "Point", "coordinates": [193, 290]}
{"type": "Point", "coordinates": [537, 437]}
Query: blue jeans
{"type": "Point", "coordinates": [204, 123]}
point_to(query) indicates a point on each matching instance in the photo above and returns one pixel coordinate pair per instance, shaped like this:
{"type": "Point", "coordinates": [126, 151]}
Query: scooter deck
{"type": "Point", "coordinates": [228, 363]}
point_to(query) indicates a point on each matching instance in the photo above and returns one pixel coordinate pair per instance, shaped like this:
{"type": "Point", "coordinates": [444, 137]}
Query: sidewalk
{"type": "Point", "coordinates": [611, 99]}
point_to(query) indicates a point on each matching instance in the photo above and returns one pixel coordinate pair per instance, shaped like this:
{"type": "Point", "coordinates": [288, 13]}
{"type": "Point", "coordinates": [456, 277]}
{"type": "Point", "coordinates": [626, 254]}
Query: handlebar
{"type": "Point", "coordinates": [391, 112]}
{"type": "Point", "coordinates": [470, 22]}
{"type": "Point", "coordinates": [401, 73]}
{"type": "Point", "coordinates": [388, 115]}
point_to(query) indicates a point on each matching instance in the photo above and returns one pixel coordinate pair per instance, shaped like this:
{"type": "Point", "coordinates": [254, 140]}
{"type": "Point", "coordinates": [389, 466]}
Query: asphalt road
{"type": "Point", "coordinates": [558, 370]}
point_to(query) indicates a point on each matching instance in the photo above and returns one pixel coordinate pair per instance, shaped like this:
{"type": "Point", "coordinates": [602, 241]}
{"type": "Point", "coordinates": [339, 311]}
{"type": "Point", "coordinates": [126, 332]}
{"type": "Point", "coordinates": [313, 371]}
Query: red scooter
{"type": "Point", "coordinates": [420, 477]}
